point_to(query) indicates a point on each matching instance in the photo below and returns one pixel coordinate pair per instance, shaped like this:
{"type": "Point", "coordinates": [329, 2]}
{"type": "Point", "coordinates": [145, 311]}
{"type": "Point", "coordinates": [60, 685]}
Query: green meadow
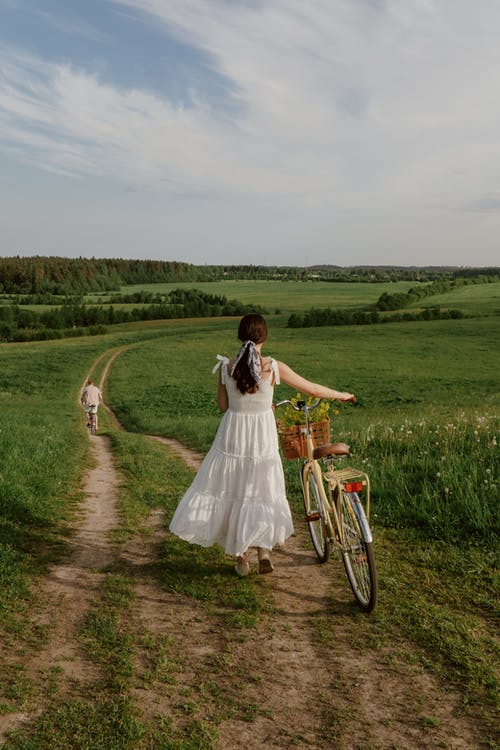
{"type": "Point", "coordinates": [298, 296]}
{"type": "Point", "coordinates": [288, 296]}
{"type": "Point", "coordinates": [473, 299]}
{"type": "Point", "coordinates": [426, 429]}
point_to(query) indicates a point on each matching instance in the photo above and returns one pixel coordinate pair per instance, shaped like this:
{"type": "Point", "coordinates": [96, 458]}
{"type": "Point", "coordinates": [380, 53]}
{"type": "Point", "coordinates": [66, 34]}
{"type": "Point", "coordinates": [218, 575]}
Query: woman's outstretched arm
{"type": "Point", "coordinates": [288, 376]}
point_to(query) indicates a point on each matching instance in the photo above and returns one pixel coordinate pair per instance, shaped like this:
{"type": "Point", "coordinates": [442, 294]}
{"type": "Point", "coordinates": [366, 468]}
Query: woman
{"type": "Point", "coordinates": [238, 499]}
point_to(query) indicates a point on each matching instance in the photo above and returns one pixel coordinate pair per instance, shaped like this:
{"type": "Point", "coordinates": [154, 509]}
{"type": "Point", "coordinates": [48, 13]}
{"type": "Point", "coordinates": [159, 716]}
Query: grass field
{"type": "Point", "coordinates": [297, 296]}
{"type": "Point", "coordinates": [426, 429]}
{"type": "Point", "coordinates": [287, 297]}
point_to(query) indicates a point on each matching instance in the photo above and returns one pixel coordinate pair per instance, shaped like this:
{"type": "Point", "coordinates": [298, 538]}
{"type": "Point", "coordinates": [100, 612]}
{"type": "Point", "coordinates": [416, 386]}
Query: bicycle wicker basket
{"type": "Point", "coordinates": [293, 438]}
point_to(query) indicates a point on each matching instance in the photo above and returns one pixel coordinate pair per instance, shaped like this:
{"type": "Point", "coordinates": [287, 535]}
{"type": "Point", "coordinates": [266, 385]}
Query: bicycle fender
{"type": "Point", "coordinates": [361, 516]}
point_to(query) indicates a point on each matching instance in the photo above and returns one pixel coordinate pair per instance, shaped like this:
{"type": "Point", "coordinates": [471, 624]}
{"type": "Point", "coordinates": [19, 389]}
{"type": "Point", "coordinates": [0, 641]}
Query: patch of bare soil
{"type": "Point", "coordinates": [343, 698]}
{"type": "Point", "coordinates": [298, 691]}
{"type": "Point", "coordinates": [190, 458]}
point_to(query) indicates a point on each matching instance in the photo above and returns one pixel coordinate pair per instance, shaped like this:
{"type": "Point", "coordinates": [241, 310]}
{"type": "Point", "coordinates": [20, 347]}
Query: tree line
{"type": "Point", "coordinates": [52, 275]}
{"type": "Point", "coordinates": [75, 319]}
{"type": "Point", "coordinates": [328, 317]}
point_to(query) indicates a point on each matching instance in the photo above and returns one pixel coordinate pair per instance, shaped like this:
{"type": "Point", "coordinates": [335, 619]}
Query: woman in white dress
{"type": "Point", "coordinates": [238, 498]}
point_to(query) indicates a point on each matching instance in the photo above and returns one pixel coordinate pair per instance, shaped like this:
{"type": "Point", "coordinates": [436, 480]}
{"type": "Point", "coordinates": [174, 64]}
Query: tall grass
{"type": "Point", "coordinates": [441, 477]}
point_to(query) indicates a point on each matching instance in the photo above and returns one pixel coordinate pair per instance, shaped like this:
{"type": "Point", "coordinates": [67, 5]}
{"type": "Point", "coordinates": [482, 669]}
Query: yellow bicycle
{"type": "Point", "coordinates": [336, 502]}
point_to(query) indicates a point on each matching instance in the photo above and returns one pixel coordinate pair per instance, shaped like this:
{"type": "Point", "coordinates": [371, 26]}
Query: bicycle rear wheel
{"type": "Point", "coordinates": [315, 514]}
{"type": "Point", "coordinates": [359, 561]}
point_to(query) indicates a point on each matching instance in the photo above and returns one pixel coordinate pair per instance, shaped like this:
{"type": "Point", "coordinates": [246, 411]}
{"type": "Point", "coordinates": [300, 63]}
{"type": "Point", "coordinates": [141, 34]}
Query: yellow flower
{"type": "Point", "coordinates": [288, 416]}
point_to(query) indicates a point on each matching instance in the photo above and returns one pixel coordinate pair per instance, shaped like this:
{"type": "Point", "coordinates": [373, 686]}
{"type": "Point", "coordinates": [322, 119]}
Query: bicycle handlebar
{"type": "Point", "coordinates": [299, 405]}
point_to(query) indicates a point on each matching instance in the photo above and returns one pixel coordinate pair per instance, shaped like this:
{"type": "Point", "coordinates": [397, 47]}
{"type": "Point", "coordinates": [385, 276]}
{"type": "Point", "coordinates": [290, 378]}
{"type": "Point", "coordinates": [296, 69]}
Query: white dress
{"type": "Point", "coordinates": [238, 499]}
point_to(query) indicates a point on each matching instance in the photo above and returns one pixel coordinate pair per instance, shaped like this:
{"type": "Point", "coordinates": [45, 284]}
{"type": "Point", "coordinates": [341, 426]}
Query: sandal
{"type": "Point", "coordinates": [265, 563]}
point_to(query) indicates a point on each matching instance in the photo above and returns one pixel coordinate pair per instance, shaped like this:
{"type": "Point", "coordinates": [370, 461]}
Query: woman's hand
{"type": "Point", "coordinates": [344, 396]}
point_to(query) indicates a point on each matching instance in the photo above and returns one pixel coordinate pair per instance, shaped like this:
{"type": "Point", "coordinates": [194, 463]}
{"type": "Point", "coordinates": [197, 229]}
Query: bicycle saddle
{"type": "Point", "coordinates": [334, 449]}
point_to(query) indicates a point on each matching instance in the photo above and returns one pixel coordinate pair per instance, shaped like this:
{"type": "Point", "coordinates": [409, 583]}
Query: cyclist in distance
{"type": "Point", "coordinates": [90, 396]}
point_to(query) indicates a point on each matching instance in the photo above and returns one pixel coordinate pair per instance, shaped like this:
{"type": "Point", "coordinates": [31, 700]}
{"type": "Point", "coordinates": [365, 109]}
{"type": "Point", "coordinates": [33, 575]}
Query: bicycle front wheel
{"type": "Point", "coordinates": [315, 513]}
{"type": "Point", "coordinates": [357, 553]}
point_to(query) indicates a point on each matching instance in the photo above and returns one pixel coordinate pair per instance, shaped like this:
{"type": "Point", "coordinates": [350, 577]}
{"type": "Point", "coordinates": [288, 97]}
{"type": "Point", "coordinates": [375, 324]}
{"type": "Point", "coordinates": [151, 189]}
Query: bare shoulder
{"type": "Point", "coordinates": [266, 364]}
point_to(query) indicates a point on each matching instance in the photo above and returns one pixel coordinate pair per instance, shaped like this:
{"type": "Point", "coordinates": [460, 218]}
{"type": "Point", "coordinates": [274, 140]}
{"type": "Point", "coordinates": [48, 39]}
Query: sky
{"type": "Point", "coordinates": [275, 132]}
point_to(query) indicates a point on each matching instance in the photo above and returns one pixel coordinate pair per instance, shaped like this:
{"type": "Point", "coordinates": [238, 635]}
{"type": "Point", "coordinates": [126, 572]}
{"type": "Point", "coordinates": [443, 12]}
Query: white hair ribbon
{"type": "Point", "coordinates": [254, 363]}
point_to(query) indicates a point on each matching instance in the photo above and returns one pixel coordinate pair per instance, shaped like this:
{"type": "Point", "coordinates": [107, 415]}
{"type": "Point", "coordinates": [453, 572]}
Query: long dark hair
{"type": "Point", "coordinates": [252, 327]}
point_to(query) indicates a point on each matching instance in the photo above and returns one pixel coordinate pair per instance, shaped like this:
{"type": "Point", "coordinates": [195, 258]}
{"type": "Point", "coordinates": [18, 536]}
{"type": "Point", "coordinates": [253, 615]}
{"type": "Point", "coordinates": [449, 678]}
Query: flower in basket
{"type": "Point", "coordinates": [288, 416]}
{"type": "Point", "coordinates": [292, 435]}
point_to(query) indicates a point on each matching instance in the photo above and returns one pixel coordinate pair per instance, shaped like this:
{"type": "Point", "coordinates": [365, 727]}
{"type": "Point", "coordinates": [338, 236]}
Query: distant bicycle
{"type": "Point", "coordinates": [92, 419]}
{"type": "Point", "coordinates": [334, 512]}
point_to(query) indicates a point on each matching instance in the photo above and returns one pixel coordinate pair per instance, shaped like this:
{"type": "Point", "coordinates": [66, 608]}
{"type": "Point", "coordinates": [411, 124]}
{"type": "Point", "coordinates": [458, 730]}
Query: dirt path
{"type": "Point", "coordinates": [69, 588]}
{"type": "Point", "coordinates": [304, 693]}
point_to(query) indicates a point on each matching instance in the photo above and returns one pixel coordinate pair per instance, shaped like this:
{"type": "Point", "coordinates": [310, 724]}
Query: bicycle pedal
{"type": "Point", "coordinates": [313, 516]}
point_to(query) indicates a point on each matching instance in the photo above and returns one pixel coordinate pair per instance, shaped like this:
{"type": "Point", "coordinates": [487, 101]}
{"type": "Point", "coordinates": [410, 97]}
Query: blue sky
{"type": "Point", "coordinates": [251, 131]}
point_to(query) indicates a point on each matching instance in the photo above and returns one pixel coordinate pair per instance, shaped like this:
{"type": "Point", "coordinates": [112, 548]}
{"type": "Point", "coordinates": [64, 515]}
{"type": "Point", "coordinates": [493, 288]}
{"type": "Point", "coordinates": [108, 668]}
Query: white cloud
{"type": "Point", "coordinates": [72, 26]}
{"type": "Point", "coordinates": [357, 106]}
